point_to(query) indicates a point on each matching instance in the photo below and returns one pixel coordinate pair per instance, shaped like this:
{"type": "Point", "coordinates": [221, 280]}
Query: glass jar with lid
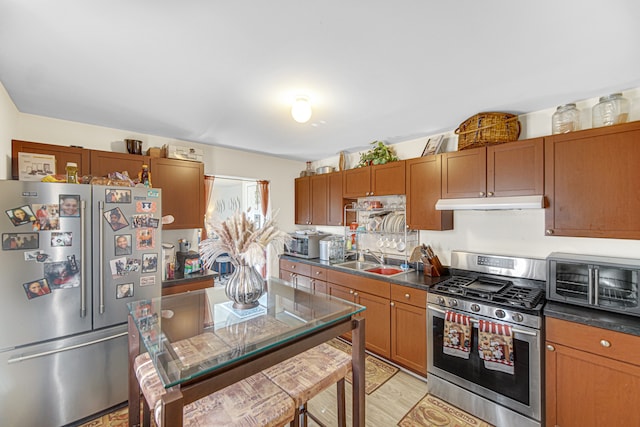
{"type": "Point", "coordinates": [565, 119]}
{"type": "Point", "coordinates": [610, 110]}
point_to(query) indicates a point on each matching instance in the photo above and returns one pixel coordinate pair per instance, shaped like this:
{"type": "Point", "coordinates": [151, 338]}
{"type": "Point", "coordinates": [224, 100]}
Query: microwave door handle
{"type": "Point", "coordinates": [596, 285]}
{"type": "Point", "coordinates": [590, 286]}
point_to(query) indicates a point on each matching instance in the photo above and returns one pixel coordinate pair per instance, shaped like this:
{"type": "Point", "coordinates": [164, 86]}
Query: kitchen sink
{"type": "Point", "coordinates": [358, 265]}
{"type": "Point", "coordinates": [373, 268]}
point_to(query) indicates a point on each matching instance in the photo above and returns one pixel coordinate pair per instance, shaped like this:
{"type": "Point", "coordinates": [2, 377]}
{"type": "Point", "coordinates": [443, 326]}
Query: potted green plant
{"type": "Point", "coordinates": [378, 155]}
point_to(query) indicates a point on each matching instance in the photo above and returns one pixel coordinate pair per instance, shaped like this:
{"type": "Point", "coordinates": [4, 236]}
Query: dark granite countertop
{"type": "Point", "coordinates": [182, 279]}
{"type": "Point", "coordinates": [591, 317]}
{"type": "Point", "coordinates": [413, 279]}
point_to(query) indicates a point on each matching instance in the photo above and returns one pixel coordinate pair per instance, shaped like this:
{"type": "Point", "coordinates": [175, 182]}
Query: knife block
{"type": "Point", "coordinates": [432, 267]}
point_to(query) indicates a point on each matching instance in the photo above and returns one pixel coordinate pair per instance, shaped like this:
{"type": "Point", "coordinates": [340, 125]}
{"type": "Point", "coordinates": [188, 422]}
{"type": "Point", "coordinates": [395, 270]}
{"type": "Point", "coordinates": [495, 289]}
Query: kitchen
{"type": "Point", "coordinates": [514, 232]}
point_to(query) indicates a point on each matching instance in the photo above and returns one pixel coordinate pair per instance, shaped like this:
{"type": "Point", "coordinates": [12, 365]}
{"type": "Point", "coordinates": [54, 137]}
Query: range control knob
{"type": "Point", "coordinates": [453, 302]}
{"type": "Point", "coordinates": [518, 317]}
{"type": "Point", "coordinates": [500, 314]}
{"type": "Point", "coordinates": [440, 300]}
{"type": "Point", "coordinates": [475, 308]}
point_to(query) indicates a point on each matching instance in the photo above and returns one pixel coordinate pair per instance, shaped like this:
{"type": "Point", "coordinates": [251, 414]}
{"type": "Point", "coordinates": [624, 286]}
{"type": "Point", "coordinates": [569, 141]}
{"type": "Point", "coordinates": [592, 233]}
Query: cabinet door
{"type": "Point", "coordinates": [356, 182]}
{"type": "Point", "coordinates": [319, 199]}
{"type": "Point", "coordinates": [302, 201]}
{"type": "Point", "coordinates": [423, 179]}
{"type": "Point", "coordinates": [77, 155]}
{"type": "Point", "coordinates": [105, 162]}
{"type": "Point", "coordinates": [335, 209]}
{"type": "Point", "coordinates": [319, 286]}
{"type": "Point", "coordinates": [388, 179]}
{"type": "Point", "coordinates": [378, 318]}
{"type": "Point", "coordinates": [182, 184]}
{"type": "Point", "coordinates": [464, 173]}
{"type": "Point", "coordinates": [591, 183]}
{"type": "Point", "coordinates": [516, 168]}
{"type": "Point", "coordinates": [409, 336]}
{"type": "Point", "coordinates": [586, 390]}
{"type": "Point", "coordinates": [347, 295]}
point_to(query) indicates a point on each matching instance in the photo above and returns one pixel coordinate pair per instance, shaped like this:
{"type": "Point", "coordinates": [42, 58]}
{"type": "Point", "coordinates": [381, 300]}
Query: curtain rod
{"type": "Point", "coordinates": [234, 178]}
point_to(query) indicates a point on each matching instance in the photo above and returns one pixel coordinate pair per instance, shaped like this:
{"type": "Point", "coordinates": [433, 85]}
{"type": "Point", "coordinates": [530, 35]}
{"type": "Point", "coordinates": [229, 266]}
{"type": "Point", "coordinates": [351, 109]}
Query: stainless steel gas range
{"type": "Point", "coordinates": [485, 337]}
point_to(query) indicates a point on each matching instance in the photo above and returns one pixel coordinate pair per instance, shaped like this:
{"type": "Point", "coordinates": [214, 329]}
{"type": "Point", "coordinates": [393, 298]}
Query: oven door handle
{"type": "Point", "coordinates": [515, 330]}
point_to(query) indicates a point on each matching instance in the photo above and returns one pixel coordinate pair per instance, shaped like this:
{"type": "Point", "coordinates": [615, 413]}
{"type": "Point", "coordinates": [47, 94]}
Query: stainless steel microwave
{"type": "Point", "coordinates": [604, 283]}
{"type": "Point", "coordinates": [304, 245]}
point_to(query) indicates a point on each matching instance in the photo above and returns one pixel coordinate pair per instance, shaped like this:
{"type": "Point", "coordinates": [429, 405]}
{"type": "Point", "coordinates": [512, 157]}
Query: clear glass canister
{"type": "Point", "coordinates": [72, 172]}
{"type": "Point", "coordinates": [610, 110]}
{"type": "Point", "coordinates": [565, 119]}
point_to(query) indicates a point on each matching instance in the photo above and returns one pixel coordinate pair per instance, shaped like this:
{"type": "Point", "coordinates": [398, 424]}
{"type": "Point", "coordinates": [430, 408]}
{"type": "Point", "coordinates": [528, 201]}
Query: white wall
{"type": "Point", "coordinates": [510, 232]}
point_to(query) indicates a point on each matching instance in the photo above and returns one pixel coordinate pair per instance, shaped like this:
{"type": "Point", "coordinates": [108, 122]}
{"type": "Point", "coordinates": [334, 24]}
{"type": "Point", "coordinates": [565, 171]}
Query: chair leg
{"type": "Point", "coordinates": [146, 413]}
{"type": "Point", "coordinates": [305, 418]}
{"type": "Point", "coordinates": [342, 414]}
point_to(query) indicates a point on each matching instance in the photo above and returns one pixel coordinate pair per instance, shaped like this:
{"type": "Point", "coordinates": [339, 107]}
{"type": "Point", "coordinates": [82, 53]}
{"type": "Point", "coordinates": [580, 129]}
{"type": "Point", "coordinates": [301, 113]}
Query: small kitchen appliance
{"type": "Point", "coordinates": [496, 303]}
{"type": "Point", "coordinates": [603, 283]}
{"type": "Point", "coordinates": [305, 244]}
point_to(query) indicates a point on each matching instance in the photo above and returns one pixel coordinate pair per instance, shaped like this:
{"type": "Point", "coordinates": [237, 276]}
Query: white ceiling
{"type": "Point", "coordinates": [225, 72]}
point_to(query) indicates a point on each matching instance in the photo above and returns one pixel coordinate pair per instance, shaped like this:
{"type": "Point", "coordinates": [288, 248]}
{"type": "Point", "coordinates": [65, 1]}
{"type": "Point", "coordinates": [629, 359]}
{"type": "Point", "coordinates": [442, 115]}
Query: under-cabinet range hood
{"type": "Point", "coordinates": [491, 203]}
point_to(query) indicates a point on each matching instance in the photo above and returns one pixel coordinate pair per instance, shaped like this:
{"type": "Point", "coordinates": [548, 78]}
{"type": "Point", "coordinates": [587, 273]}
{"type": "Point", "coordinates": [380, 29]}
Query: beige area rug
{"type": "Point", "coordinates": [433, 412]}
{"type": "Point", "coordinates": [377, 372]}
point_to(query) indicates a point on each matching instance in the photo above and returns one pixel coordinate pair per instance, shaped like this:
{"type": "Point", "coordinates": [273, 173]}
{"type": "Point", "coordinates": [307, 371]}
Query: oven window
{"type": "Point", "coordinates": [516, 387]}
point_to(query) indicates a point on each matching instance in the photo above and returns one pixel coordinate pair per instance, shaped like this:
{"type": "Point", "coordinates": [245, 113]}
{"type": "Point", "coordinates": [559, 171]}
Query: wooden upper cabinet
{"type": "Point", "coordinates": [464, 173]}
{"type": "Point", "coordinates": [303, 201]}
{"type": "Point", "coordinates": [516, 168]}
{"type": "Point", "coordinates": [335, 211]}
{"type": "Point", "coordinates": [105, 162]}
{"type": "Point", "coordinates": [182, 184]}
{"type": "Point", "coordinates": [356, 182]}
{"type": "Point", "coordinates": [63, 154]}
{"type": "Point", "coordinates": [378, 180]}
{"type": "Point", "coordinates": [423, 181]}
{"type": "Point", "coordinates": [591, 182]}
{"type": "Point", "coordinates": [510, 169]}
{"type": "Point", "coordinates": [319, 199]}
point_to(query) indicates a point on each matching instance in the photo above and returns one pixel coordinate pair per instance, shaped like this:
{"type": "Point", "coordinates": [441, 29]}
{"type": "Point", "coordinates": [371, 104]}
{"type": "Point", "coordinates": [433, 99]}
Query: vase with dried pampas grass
{"type": "Point", "coordinates": [239, 238]}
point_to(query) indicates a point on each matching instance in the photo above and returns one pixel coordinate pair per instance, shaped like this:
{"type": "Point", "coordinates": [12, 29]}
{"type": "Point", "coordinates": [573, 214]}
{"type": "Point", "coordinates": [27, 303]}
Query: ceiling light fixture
{"type": "Point", "coordinates": [301, 109]}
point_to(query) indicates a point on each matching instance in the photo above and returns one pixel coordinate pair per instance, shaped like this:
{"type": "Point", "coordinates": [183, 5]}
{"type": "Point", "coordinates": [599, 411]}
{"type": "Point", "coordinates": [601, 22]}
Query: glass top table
{"type": "Point", "coordinates": [199, 342]}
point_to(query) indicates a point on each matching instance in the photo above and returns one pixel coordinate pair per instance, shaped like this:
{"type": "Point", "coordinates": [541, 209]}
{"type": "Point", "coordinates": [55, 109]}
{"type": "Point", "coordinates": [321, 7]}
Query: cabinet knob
{"type": "Point", "coordinates": [351, 291]}
{"type": "Point", "coordinates": [393, 304]}
{"type": "Point", "coordinates": [317, 273]}
{"type": "Point", "coordinates": [481, 194]}
{"type": "Point", "coordinates": [407, 296]}
{"type": "Point", "coordinates": [605, 343]}
{"type": "Point", "coordinates": [293, 267]}
{"type": "Point", "coordinates": [548, 232]}
{"type": "Point", "coordinates": [550, 347]}
{"type": "Point", "coordinates": [490, 194]}
{"type": "Point", "coordinates": [355, 294]}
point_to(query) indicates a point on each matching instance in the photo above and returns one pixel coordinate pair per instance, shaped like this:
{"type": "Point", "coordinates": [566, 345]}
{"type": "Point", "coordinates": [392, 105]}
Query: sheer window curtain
{"type": "Point", "coordinates": [263, 189]}
{"type": "Point", "coordinates": [208, 194]}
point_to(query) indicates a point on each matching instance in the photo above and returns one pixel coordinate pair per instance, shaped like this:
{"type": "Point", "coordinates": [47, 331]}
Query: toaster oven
{"type": "Point", "coordinates": [304, 245]}
{"type": "Point", "coordinates": [604, 283]}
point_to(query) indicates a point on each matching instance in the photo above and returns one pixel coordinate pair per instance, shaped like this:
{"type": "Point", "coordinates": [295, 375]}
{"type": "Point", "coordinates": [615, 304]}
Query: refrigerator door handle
{"type": "Point", "coordinates": [101, 257]}
{"type": "Point", "coordinates": [60, 350]}
{"type": "Point", "coordinates": [84, 266]}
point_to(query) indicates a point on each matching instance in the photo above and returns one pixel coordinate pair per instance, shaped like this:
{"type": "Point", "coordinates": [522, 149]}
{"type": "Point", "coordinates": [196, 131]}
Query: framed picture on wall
{"type": "Point", "coordinates": [433, 146]}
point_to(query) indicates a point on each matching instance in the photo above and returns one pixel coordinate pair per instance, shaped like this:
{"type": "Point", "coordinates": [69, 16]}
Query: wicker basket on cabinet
{"type": "Point", "coordinates": [488, 128]}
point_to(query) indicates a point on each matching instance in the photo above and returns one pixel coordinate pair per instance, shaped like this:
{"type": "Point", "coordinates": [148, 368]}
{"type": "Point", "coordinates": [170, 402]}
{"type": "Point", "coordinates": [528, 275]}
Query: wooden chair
{"type": "Point", "coordinates": [307, 374]}
{"type": "Point", "coordinates": [254, 401]}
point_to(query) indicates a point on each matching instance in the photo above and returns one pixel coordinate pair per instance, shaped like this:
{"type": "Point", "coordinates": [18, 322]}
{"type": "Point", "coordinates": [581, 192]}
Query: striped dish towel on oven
{"type": "Point", "coordinates": [457, 335]}
{"type": "Point", "coordinates": [495, 346]}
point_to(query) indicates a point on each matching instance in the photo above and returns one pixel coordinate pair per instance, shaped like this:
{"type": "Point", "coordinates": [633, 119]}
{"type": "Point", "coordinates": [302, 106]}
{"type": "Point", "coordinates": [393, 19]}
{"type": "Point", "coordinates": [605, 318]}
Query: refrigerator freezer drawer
{"type": "Point", "coordinates": [70, 379]}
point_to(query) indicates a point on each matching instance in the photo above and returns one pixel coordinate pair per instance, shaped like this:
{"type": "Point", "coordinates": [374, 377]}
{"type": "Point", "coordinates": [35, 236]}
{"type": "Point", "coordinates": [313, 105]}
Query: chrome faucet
{"type": "Point", "coordinates": [380, 259]}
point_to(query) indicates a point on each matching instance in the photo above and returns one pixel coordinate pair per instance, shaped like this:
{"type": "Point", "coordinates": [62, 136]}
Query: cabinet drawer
{"type": "Point", "coordinates": [359, 283]}
{"type": "Point", "coordinates": [295, 267]}
{"type": "Point", "coordinates": [407, 295]}
{"type": "Point", "coordinates": [318, 273]}
{"type": "Point", "coordinates": [611, 344]}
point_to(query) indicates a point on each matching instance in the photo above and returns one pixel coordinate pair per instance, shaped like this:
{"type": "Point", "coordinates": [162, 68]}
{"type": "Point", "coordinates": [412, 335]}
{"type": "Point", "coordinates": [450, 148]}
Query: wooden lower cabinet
{"type": "Point", "coordinates": [592, 376]}
{"type": "Point", "coordinates": [377, 316]}
{"type": "Point", "coordinates": [409, 328]}
{"type": "Point", "coordinates": [193, 285]}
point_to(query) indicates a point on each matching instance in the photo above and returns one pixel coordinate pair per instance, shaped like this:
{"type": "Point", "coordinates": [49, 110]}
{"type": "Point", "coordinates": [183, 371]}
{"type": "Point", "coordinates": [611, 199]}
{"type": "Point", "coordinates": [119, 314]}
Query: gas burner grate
{"type": "Point", "coordinates": [455, 285]}
{"type": "Point", "coordinates": [520, 296]}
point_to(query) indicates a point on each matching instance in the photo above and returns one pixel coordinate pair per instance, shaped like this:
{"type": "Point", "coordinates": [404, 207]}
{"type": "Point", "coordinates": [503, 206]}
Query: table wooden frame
{"type": "Point", "coordinates": [176, 397]}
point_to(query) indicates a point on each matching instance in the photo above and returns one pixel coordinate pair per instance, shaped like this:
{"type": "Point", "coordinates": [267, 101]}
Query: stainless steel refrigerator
{"type": "Point", "coordinates": [72, 256]}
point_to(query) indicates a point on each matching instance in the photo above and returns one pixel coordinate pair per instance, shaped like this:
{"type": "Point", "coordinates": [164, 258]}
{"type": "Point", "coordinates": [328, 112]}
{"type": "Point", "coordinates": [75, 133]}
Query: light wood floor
{"type": "Point", "coordinates": [385, 407]}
